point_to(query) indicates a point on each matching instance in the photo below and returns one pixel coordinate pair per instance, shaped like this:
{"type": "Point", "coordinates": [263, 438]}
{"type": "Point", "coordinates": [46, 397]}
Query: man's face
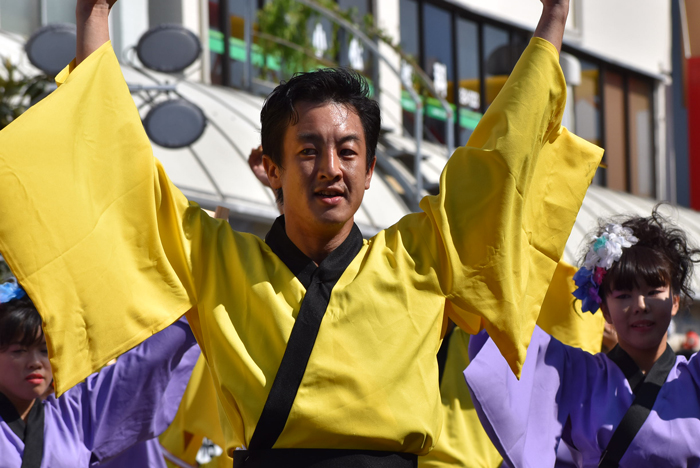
{"type": "Point", "coordinates": [324, 171]}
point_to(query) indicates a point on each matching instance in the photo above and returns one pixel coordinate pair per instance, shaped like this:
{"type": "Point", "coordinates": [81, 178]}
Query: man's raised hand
{"type": "Point", "coordinates": [255, 161]}
{"type": "Point", "coordinates": [92, 21]}
{"type": "Point", "coordinates": [555, 3]}
{"type": "Point", "coordinates": [553, 21]}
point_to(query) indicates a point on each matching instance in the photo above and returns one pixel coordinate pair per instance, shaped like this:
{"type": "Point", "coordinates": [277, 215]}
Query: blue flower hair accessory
{"type": "Point", "coordinates": [11, 290]}
{"type": "Point", "coordinates": [604, 251]}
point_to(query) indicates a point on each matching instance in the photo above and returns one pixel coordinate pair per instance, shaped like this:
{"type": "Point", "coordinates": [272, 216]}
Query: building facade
{"type": "Point", "coordinates": [618, 53]}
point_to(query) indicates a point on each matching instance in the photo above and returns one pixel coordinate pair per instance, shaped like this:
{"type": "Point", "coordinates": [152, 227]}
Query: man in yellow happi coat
{"type": "Point", "coordinates": [321, 345]}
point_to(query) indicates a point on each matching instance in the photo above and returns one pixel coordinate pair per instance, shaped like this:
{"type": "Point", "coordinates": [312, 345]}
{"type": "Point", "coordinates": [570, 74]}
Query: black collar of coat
{"type": "Point", "coordinates": [656, 375]}
{"type": "Point", "coordinates": [330, 269]}
{"type": "Point", "coordinates": [30, 432]}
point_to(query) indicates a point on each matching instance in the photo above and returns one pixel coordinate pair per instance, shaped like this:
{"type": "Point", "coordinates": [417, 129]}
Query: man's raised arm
{"type": "Point", "coordinates": [89, 222]}
{"type": "Point", "coordinates": [553, 21]}
{"type": "Point", "coordinates": [508, 200]}
{"type": "Point", "coordinates": [91, 17]}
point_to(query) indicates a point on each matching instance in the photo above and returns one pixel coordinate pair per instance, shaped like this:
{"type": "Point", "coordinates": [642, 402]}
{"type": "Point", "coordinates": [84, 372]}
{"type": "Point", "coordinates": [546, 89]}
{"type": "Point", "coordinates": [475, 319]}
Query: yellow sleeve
{"type": "Point", "coordinates": [561, 315]}
{"type": "Point", "coordinates": [463, 443]}
{"type": "Point", "coordinates": [506, 207]}
{"type": "Point", "coordinates": [196, 418]}
{"type": "Point", "coordinates": [89, 223]}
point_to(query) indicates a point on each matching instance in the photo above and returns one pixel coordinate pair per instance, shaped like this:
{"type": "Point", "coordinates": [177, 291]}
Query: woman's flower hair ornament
{"type": "Point", "coordinates": [11, 290]}
{"type": "Point", "coordinates": [604, 251]}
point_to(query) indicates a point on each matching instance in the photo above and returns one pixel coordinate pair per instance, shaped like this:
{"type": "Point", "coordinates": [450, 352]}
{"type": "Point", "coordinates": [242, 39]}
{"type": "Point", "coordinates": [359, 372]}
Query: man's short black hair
{"type": "Point", "coordinates": [336, 85]}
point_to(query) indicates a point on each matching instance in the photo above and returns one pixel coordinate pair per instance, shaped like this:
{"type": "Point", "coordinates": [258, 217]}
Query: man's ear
{"type": "Point", "coordinates": [273, 171]}
{"type": "Point", "coordinates": [370, 171]}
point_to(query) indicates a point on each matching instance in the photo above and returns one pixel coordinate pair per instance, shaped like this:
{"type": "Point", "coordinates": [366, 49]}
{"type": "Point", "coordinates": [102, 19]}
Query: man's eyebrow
{"type": "Point", "coordinates": [315, 137]}
{"type": "Point", "coordinates": [310, 137]}
{"type": "Point", "coordinates": [351, 137]}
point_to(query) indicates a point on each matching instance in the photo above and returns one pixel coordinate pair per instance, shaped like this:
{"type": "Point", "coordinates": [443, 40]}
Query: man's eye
{"type": "Point", "coordinates": [308, 151]}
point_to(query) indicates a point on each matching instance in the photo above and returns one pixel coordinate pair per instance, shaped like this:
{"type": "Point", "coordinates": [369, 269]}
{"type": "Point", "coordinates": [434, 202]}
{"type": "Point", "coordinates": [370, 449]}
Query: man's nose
{"type": "Point", "coordinates": [329, 164]}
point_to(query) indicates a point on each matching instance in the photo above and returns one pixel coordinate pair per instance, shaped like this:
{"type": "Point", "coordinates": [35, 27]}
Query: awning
{"type": "Point", "coordinates": [602, 203]}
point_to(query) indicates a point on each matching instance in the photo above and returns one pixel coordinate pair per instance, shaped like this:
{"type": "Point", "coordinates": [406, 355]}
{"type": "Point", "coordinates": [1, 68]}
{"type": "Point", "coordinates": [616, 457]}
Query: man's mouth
{"type": "Point", "coordinates": [331, 197]}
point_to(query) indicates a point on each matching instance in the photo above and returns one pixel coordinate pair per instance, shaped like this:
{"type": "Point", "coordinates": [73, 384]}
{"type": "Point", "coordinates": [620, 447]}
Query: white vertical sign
{"type": "Point", "coordinates": [356, 55]}
{"type": "Point", "coordinates": [440, 78]}
{"type": "Point", "coordinates": [319, 40]}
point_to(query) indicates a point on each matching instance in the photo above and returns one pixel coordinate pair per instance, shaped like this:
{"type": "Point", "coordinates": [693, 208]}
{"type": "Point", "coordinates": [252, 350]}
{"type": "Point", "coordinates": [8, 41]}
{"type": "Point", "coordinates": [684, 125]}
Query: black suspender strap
{"type": "Point", "coordinates": [646, 389]}
{"type": "Point", "coordinates": [31, 432]}
{"type": "Point", "coordinates": [319, 282]}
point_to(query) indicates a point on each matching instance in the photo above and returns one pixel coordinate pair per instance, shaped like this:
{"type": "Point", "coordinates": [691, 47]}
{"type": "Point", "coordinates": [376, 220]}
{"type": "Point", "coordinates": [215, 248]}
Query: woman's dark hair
{"type": "Point", "coordinates": [662, 256]}
{"type": "Point", "coordinates": [19, 323]}
{"type": "Point", "coordinates": [336, 85]}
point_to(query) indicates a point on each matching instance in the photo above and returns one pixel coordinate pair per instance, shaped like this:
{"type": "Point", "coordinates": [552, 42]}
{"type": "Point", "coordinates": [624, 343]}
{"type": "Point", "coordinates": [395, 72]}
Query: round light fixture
{"type": "Point", "coordinates": [176, 123]}
{"type": "Point", "coordinates": [168, 48]}
{"type": "Point", "coordinates": [52, 47]}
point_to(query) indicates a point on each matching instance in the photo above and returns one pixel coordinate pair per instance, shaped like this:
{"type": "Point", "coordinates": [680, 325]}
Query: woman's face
{"type": "Point", "coordinates": [25, 372]}
{"type": "Point", "coordinates": [641, 316]}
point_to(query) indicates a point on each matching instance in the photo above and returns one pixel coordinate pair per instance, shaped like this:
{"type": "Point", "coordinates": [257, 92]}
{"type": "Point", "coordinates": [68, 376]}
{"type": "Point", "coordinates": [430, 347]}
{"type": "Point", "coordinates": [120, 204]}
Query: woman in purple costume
{"type": "Point", "coordinates": [637, 406]}
{"type": "Point", "coordinates": [124, 404]}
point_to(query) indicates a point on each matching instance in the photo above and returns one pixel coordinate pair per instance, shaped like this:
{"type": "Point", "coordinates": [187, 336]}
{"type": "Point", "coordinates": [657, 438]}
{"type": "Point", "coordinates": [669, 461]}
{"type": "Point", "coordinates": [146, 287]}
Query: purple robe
{"type": "Point", "coordinates": [142, 455]}
{"type": "Point", "coordinates": [568, 394]}
{"type": "Point", "coordinates": [129, 402]}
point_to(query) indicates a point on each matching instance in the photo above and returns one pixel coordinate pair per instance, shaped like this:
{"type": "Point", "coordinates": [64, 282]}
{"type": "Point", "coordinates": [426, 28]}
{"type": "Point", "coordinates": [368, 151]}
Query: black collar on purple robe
{"type": "Point", "coordinates": [319, 282]}
{"type": "Point", "coordinates": [645, 388]}
{"type": "Point", "coordinates": [31, 432]}
{"type": "Point", "coordinates": [657, 374]}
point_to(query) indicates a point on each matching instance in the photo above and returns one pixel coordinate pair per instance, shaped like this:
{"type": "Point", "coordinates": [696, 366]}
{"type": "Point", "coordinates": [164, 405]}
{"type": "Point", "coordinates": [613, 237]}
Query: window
{"type": "Point", "coordinates": [164, 11]}
{"type": "Point", "coordinates": [437, 62]}
{"type": "Point", "coordinates": [216, 43]}
{"type": "Point", "coordinates": [587, 108]}
{"type": "Point", "coordinates": [408, 23]}
{"type": "Point", "coordinates": [587, 103]}
{"type": "Point", "coordinates": [497, 61]}
{"type": "Point", "coordinates": [641, 138]}
{"type": "Point", "coordinates": [408, 17]}
{"type": "Point", "coordinates": [615, 132]}
{"type": "Point", "coordinates": [320, 30]}
{"type": "Point", "coordinates": [468, 72]}
{"type": "Point", "coordinates": [470, 62]}
{"type": "Point", "coordinates": [20, 16]}
{"type": "Point", "coordinates": [354, 53]}
{"type": "Point", "coordinates": [59, 11]}
{"type": "Point", "coordinates": [236, 25]}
